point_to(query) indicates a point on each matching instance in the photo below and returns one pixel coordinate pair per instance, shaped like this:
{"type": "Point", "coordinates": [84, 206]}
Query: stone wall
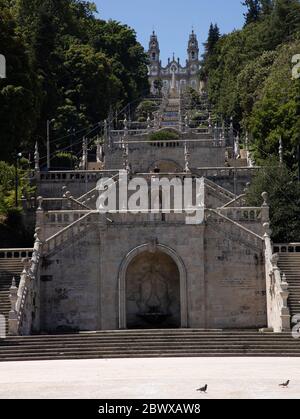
{"type": "Point", "coordinates": [221, 277]}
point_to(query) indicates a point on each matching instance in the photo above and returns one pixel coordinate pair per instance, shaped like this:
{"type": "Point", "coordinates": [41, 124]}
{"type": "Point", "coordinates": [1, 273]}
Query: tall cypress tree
{"type": "Point", "coordinates": [253, 12]}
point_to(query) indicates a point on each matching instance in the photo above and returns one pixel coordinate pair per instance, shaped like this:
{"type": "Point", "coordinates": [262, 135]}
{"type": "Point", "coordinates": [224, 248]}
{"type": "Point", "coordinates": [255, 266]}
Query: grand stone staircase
{"type": "Point", "coordinates": [289, 264]}
{"type": "Point", "coordinates": [149, 344]}
{"type": "Point", "coordinates": [9, 268]}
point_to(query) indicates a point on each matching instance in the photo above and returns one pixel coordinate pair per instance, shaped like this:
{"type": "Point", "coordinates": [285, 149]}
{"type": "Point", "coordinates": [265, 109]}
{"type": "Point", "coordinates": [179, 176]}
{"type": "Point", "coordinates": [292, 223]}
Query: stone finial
{"type": "Point", "coordinates": [40, 203]}
{"type": "Point", "coordinates": [247, 187]}
{"type": "Point", "coordinates": [209, 120]}
{"type": "Point", "coordinates": [280, 150]}
{"type": "Point", "coordinates": [64, 190]}
{"type": "Point", "coordinates": [275, 260]}
{"type": "Point", "coordinates": [148, 122]}
{"type": "Point", "coordinates": [186, 121]}
{"type": "Point", "coordinates": [265, 197]}
{"type": "Point", "coordinates": [267, 229]}
{"type": "Point", "coordinates": [13, 296]}
{"type": "Point", "coordinates": [37, 234]}
{"type": "Point", "coordinates": [186, 158]}
{"type": "Point", "coordinates": [98, 151]}
{"type": "Point", "coordinates": [125, 123]}
{"type": "Point", "coordinates": [36, 158]}
{"type": "Point", "coordinates": [68, 195]}
{"type": "Point", "coordinates": [26, 264]}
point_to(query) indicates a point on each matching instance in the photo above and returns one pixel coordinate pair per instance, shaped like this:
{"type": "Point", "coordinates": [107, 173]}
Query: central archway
{"type": "Point", "coordinates": [152, 292]}
{"type": "Point", "coordinates": [152, 289]}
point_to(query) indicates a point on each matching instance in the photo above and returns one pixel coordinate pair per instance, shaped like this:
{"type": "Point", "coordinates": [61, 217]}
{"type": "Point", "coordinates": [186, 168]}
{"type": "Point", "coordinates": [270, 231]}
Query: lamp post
{"type": "Point", "coordinates": [19, 156]}
{"type": "Point", "coordinates": [49, 122]}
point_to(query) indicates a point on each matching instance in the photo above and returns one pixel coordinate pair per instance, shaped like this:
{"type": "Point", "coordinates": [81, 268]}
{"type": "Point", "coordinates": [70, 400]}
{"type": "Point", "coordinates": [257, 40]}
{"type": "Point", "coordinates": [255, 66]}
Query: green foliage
{"type": "Point", "coordinates": [276, 112]}
{"type": "Point", "coordinates": [253, 10]}
{"type": "Point", "coordinates": [145, 108]}
{"type": "Point", "coordinates": [7, 185]}
{"type": "Point", "coordinates": [284, 200]}
{"type": "Point", "coordinates": [164, 136]}
{"type": "Point", "coordinates": [63, 63]}
{"type": "Point", "coordinates": [64, 160]}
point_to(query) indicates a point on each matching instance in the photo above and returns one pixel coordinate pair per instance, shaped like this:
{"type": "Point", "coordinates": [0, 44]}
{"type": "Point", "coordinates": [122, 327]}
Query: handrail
{"type": "Point", "coordinates": [219, 188]}
{"type": "Point", "coordinates": [233, 201]}
{"type": "Point", "coordinates": [53, 239]}
{"type": "Point", "coordinates": [241, 227]}
{"type": "Point", "coordinates": [20, 320]}
{"type": "Point", "coordinates": [279, 318]}
{"type": "Point", "coordinates": [83, 197]}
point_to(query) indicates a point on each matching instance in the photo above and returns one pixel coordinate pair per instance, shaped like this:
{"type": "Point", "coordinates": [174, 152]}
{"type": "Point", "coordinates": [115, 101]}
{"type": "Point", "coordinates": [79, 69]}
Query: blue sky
{"type": "Point", "coordinates": [173, 19]}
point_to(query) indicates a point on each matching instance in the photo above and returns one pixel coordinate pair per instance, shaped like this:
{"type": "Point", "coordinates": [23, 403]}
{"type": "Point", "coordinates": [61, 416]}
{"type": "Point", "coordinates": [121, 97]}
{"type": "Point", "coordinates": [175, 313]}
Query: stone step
{"type": "Point", "coordinates": [148, 343]}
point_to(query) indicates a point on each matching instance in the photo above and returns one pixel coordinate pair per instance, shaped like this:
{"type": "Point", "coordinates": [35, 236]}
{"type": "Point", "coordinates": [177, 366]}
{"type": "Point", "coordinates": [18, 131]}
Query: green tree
{"type": "Point", "coordinates": [284, 200]}
{"type": "Point", "coordinates": [253, 10]}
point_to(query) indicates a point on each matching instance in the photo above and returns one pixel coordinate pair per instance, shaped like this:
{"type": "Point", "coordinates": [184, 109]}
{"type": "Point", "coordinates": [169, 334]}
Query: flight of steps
{"type": "Point", "coordinates": [289, 263]}
{"type": "Point", "coordinates": [171, 113]}
{"type": "Point", "coordinates": [149, 344]}
{"type": "Point", "coordinates": [9, 268]}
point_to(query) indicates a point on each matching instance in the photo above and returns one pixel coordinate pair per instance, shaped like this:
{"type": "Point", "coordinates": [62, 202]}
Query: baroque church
{"type": "Point", "coordinates": [122, 270]}
{"type": "Point", "coordinates": [175, 75]}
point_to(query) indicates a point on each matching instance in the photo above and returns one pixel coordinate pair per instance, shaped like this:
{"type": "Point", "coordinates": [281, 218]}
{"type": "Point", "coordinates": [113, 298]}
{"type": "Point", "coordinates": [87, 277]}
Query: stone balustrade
{"type": "Point", "coordinates": [15, 253]}
{"type": "Point", "coordinates": [64, 216]}
{"type": "Point", "coordinates": [279, 319]}
{"type": "Point", "coordinates": [75, 175]}
{"type": "Point", "coordinates": [286, 248]}
{"type": "Point", "coordinates": [23, 316]}
{"type": "Point", "coordinates": [250, 214]}
{"type": "Point", "coordinates": [82, 222]}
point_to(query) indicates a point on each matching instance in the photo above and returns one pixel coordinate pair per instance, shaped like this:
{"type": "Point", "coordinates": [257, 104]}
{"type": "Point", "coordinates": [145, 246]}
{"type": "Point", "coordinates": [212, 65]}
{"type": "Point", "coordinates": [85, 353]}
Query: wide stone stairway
{"type": "Point", "coordinates": [149, 344]}
{"type": "Point", "coordinates": [289, 264]}
{"type": "Point", "coordinates": [9, 268]}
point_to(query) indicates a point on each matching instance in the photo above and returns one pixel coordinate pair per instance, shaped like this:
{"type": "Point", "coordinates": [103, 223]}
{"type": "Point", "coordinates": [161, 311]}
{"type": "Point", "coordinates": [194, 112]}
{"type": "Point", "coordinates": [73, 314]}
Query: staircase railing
{"type": "Point", "coordinates": [67, 234]}
{"type": "Point", "coordinates": [217, 188]}
{"type": "Point", "coordinates": [279, 318]}
{"type": "Point", "coordinates": [238, 200]}
{"type": "Point", "coordinates": [243, 234]}
{"type": "Point", "coordinates": [92, 194]}
{"type": "Point", "coordinates": [24, 314]}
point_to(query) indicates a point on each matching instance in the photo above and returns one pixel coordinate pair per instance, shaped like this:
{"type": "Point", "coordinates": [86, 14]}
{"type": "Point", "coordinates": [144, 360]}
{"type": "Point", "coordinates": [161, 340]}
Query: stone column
{"type": "Point", "coordinates": [37, 161]}
{"type": "Point", "coordinates": [13, 316]}
{"type": "Point", "coordinates": [265, 209]}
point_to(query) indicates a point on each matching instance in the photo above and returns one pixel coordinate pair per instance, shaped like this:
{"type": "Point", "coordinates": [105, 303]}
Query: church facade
{"type": "Point", "coordinates": [174, 76]}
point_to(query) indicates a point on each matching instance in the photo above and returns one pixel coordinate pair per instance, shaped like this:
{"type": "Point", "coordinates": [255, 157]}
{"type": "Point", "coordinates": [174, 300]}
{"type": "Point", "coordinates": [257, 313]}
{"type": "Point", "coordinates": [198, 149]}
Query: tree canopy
{"type": "Point", "coordinates": [63, 63]}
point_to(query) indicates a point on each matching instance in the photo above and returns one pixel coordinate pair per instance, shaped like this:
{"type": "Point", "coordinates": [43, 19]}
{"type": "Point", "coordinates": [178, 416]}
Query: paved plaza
{"type": "Point", "coordinates": [234, 378]}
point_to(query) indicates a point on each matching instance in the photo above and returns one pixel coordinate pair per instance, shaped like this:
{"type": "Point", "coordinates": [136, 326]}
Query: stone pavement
{"type": "Point", "coordinates": [151, 378]}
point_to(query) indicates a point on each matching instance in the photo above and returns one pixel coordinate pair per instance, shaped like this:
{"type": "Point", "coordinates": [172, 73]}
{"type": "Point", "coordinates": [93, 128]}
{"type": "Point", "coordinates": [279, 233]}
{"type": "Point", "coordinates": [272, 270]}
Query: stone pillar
{"type": "Point", "coordinates": [37, 161]}
{"type": "Point", "coordinates": [285, 312]}
{"type": "Point", "coordinates": [281, 151]}
{"type": "Point", "coordinates": [231, 133]}
{"type": "Point", "coordinates": [84, 154]}
{"type": "Point", "coordinates": [265, 209]}
{"type": "Point", "coordinates": [186, 158]}
{"type": "Point", "coordinates": [99, 151]}
{"type": "Point", "coordinates": [148, 123]}
{"type": "Point", "coordinates": [13, 316]}
{"type": "Point", "coordinates": [125, 123]}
